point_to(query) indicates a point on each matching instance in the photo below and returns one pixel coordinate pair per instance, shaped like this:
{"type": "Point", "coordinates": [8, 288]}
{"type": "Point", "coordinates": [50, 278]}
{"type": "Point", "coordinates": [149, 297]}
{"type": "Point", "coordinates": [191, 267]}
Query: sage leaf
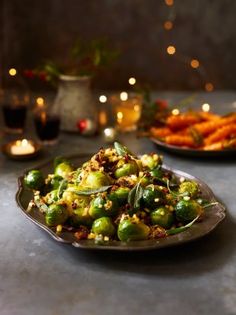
{"type": "Point", "coordinates": [89, 192]}
{"type": "Point", "coordinates": [61, 188]}
{"type": "Point", "coordinates": [135, 196]}
{"type": "Point", "coordinates": [121, 149]}
{"type": "Point", "coordinates": [181, 228]}
{"type": "Point", "coordinates": [197, 137]}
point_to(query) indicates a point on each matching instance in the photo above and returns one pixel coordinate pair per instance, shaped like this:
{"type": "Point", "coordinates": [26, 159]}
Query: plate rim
{"type": "Point", "coordinates": [191, 151]}
{"type": "Point", "coordinates": [118, 245]}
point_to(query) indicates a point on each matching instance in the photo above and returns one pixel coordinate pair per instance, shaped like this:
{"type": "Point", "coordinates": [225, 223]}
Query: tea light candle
{"type": "Point", "coordinates": [22, 147]}
{"type": "Point", "coordinates": [127, 108]}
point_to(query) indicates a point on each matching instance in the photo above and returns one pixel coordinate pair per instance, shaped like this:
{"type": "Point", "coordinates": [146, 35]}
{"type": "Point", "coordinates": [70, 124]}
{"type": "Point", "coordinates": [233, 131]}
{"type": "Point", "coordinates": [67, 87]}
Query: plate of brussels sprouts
{"type": "Point", "coordinates": [116, 200]}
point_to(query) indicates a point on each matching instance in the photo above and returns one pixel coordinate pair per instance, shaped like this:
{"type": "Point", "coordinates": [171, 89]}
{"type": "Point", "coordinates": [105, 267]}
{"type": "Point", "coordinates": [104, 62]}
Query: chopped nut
{"type": "Point", "coordinates": [59, 228]}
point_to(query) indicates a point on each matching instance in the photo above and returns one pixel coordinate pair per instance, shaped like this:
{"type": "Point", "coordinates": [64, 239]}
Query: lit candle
{"type": "Point", "coordinates": [22, 147]}
{"type": "Point", "coordinates": [127, 109]}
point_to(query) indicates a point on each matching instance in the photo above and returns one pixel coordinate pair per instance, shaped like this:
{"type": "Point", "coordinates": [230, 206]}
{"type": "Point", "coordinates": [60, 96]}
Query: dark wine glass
{"type": "Point", "coordinates": [47, 127]}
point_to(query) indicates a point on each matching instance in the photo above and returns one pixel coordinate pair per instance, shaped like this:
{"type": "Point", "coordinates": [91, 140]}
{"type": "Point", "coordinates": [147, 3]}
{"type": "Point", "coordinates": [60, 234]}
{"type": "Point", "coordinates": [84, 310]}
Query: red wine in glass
{"type": "Point", "coordinates": [14, 117]}
{"type": "Point", "coordinates": [47, 127]}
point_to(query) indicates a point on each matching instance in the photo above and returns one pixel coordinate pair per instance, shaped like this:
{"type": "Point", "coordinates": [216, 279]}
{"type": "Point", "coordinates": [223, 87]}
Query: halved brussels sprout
{"type": "Point", "coordinates": [163, 217]}
{"type": "Point", "coordinates": [128, 230]}
{"type": "Point", "coordinates": [103, 226]}
{"type": "Point", "coordinates": [189, 188]}
{"type": "Point", "coordinates": [121, 194]}
{"type": "Point", "coordinates": [55, 182]}
{"type": "Point", "coordinates": [97, 179]}
{"type": "Point", "coordinates": [151, 161]}
{"type": "Point", "coordinates": [81, 217]}
{"type": "Point", "coordinates": [156, 172]}
{"type": "Point", "coordinates": [152, 197]}
{"type": "Point", "coordinates": [126, 169]}
{"type": "Point", "coordinates": [34, 180]}
{"type": "Point", "coordinates": [56, 214]}
{"type": "Point", "coordinates": [187, 210]}
{"type": "Point", "coordinates": [103, 206]}
{"type": "Point", "coordinates": [63, 169]}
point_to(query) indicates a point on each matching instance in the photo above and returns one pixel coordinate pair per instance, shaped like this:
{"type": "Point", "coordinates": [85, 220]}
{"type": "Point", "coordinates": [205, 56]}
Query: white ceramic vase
{"type": "Point", "coordinates": [74, 102]}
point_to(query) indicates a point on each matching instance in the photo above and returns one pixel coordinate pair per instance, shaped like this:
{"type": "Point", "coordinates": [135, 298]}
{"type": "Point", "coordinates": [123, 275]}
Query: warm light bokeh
{"type": "Point", "coordinates": [171, 50]}
{"type": "Point", "coordinates": [209, 87]}
{"type": "Point", "coordinates": [168, 25]}
{"type": "Point", "coordinates": [206, 107]}
{"type": "Point", "coordinates": [102, 98]}
{"type": "Point", "coordinates": [12, 72]}
{"type": "Point", "coordinates": [124, 96]}
{"type": "Point", "coordinates": [175, 112]}
{"type": "Point", "coordinates": [169, 2]}
{"type": "Point", "coordinates": [132, 81]}
{"type": "Point", "coordinates": [194, 63]}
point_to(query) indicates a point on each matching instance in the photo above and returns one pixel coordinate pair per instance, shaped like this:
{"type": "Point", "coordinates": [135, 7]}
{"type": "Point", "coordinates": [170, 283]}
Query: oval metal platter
{"type": "Point", "coordinates": [213, 216]}
{"type": "Point", "coordinates": [193, 152]}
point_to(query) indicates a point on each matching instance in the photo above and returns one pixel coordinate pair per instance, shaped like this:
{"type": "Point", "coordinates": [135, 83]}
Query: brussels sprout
{"type": "Point", "coordinates": [55, 182]}
{"type": "Point", "coordinates": [81, 217]}
{"type": "Point", "coordinates": [103, 226]}
{"type": "Point", "coordinates": [103, 206]}
{"type": "Point", "coordinates": [152, 197]}
{"type": "Point", "coordinates": [189, 188]}
{"type": "Point", "coordinates": [163, 217]}
{"type": "Point", "coordinates": [151, 161]}
{"type": "Point", "coordinates": [187, 210]}
{"type": "Point", "coordinates": [60, 159]}
{"type": "Point", "coordinates": [127, 169]}
{"type": "Point", "coordinates": [128, 230]}
{"type": "Point", "coordinates": [34, 180]}
{"type": "Point", "coordinates": [157, 172]}
{"type": "Point", "coordinates": [121, 194]}
{"type": "Point", "coordinates": [97, 179]}
{"type": "Point", "coordinates": [56, 214]}
{"type": "Point", "coordinates": [63, 169]}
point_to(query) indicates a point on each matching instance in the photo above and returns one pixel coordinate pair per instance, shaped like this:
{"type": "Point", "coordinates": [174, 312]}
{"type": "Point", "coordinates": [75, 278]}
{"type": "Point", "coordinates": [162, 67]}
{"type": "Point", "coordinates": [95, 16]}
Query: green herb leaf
{"type": "Point", "coordinates": [182, 228]}
{"type": "Point", "coordinates": [135, 196]}
{"type": "Point", "coordinates": [121, 149]}
{"type": "Point", "coordinates": [61, 188]}
{"type": "Point", "coordinates": [197, 137]}
{"type": "Point", "coordinates": [91, 191]}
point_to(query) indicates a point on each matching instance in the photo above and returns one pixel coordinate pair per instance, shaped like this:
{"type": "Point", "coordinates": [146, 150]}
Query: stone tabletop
{"type": "Point", "coordinates": [42, 277]}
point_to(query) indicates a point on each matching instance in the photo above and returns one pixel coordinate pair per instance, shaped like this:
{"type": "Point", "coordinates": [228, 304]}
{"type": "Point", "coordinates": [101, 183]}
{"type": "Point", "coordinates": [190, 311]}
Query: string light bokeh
{"type": "Point", "coordinates": [193, 62]}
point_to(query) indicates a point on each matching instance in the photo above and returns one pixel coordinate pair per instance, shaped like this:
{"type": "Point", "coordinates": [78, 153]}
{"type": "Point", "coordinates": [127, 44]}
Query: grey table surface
{"type": "Point", "coordinates": [40, 276]}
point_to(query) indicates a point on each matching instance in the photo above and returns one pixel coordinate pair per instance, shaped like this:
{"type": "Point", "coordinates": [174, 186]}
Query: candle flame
{"type": "Point", "coordinates": [39, 102]}
{"type": "Point", "coordinates": [43, 116]}
{"type": "Point", "coordinates": [119, 116]}
{"type": "Point", "coordinates": [24, 142]}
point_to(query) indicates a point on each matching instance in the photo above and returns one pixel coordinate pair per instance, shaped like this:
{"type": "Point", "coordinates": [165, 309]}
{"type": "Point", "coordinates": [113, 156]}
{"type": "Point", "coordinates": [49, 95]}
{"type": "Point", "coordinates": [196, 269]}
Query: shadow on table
{"type": "Point", "coordinates": [201, 256]}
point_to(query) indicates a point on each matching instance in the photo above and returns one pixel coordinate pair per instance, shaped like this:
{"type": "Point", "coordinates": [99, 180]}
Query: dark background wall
{"type": "Point", "coordinates": [203, 29]}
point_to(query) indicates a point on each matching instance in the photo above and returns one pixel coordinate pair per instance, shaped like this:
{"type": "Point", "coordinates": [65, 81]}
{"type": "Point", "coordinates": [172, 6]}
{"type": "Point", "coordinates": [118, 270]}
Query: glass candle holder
{"type": "Point", "coordinates": [127, 109]}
